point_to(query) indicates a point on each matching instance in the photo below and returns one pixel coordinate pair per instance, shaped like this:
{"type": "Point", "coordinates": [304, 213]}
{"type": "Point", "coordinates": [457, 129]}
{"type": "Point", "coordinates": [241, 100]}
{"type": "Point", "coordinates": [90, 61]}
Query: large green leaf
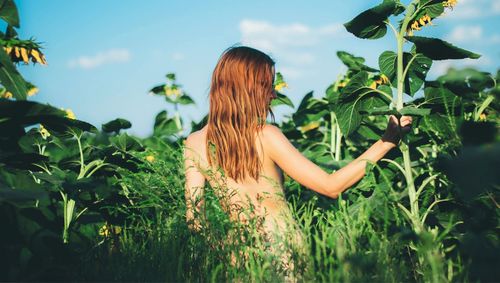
{"type": "Point", "coordinates": [116, 125]}
{"type": "Point", "coordinates": [435, 95]}
{"type": "Point", "coordinates": [159, 89]}
{"type": "Point", "coordinates": [438, 49]}
{"type": "Point", "coordinates": [8, 12]}
{"type": "Point", "coordinates": [282, 100]}
{"type": "Point", "coordinates": [349, 113]}
{"type": "Point", "coordinates": [126, 142]}
{"type": "Point", "coordinates": [432, 8]}
{"type": "Point", "coordinates": [164, 125]}
{"type": "Point", "coordinates": [466, 82]}
{"type": "Point", "coordinates": [371, 23]}
{"type": "Point", "coordinates": [312, 110]}
{"type": "Point", "coordinates": [355, 98]}
{"type": "Point", "coordinates": [357, 82]}
{"type": "Point", "coordinates": [183, 99]}
{"type": "Point", "coordinates": [414, 111]}
{"type": "Point", "coordinates": [22, 160]}
{"type": "Point", "coordinates": [15, 114]}
{"type": "Point", "coordinates": [418, 65]}
{"type": "Point", "coordinates": [10, 77]}
{"type": "Point", "coordinates": [348, 116]}
{"type": "Point", "coordinates": [353, 62]}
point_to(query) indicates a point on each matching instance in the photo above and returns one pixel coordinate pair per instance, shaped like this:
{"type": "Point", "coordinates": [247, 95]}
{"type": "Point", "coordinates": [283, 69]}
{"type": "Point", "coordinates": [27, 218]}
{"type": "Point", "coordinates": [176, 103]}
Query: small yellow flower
{"type": "Point", "coordinates": [418, 24]}
{"type": "Point", "coordinates": [382, 79]}
{"type": "Point", "coordinates": [482, 117]}
{"type": "Point", "coordinates": [43, 132]}
{"type": "Point", "coordinates": [104, 230]}
{"type": "Point", "coordinates": [342, 84]}
{"type": "Point", "coordinates": [280, 86]}
{"type": "Point", "coordinates": [117, 230]}
{"type": "Point", "coordinates": [7, 94]}
{"type": "Point", "coordinates": [32, 91]}
{"type": "Point", "coordinates": [170, 91]}
{"type": "Point", "coordinates": [150, 158]}
{"type": "Point", "coordinates": [311, 126]}
{"type": "Point", "coordinates": [450, 4]}
{"type": "Point", "coordinates": [70, 114]}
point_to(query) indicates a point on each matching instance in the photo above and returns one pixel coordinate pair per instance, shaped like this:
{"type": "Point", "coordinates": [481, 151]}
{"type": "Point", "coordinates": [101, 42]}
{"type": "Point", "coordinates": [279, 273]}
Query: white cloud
{"type": "Point", "coordinates": [495, 6]}
{"type": "Point", "coordinates": [465, 33]}
{"type": "Point", "coordinates": [290, 43]}
{"type": "Point", "coordinates": [102, 58]}
{"type": "Point", "coordinates": [472, 35]}
{"type": "Point", "coordinates": [269, 37]}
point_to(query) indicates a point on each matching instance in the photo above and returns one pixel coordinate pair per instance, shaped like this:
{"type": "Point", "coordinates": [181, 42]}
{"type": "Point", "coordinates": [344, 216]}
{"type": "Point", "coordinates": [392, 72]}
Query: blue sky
{"type": "Point", "coordinates": [104, 56]}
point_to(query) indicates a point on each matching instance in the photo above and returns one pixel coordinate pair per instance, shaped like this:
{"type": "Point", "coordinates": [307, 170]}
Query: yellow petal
{"type": "Point", "coordinates": [24, 54]}
{"type": "Point", "coordinates": [8, 49]}
{"type": "Point", "coordinates": [16, 49]}
{"type": "Point", "coordinates": [36, 55]}
{"type": "Point", "coordinates": [384, 78]}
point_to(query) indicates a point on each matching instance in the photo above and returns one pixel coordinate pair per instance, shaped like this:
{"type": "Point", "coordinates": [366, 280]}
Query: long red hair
{"type": "Point", "coordinates": [240, 93]}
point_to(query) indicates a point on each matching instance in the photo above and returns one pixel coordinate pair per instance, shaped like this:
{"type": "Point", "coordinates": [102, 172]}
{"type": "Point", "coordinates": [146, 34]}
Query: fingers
{"type": "Point", "coordinates": [405, 121]}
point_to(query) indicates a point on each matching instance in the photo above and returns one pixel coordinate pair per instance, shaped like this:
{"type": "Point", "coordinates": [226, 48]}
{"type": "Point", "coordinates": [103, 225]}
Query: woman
{"type": "Point", "coordinates": [247, 155]}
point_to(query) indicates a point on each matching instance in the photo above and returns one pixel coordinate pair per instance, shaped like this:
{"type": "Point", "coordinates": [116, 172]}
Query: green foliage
{"type": "Point", "coordinates": [88, 205]}
{"type": "Point", "coordinates": [116, 125]}
{"type": "Point", "coordinates": [353, 62]}
{"type": "Point", "coordinates": [371, 24]}
{"type": "Point", "coordinates": [8, 12]}
{"type": "Point", "coordinates": [10, 77]}
{"type": "Point", "coordinates": [437, 49]}
{"type": "Point", "coordinates": [417, 66]}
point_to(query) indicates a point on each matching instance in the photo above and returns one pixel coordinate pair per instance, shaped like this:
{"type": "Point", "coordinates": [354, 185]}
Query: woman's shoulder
{"type": "Point", "coordinates": [197, 136]}
{"type": "Point", "coordinates": [271, 134]}
{"type": "Point", "coordinates": [196, 140]}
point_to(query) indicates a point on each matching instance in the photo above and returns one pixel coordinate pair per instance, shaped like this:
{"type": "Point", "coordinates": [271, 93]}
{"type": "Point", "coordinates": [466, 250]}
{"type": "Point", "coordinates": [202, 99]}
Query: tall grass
{"type": "Point", "coordinates": [355, 239]}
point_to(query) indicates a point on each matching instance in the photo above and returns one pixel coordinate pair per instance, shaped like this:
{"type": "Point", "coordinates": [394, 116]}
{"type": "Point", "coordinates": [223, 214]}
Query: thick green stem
{"type": "Point", "coordinates": [82, 164]}
{"type": "Point", "coordinates": [333, 129]}
{"type": "Point", "coordinates": [338, 142]}
{"type": "Point", "coordinates": [177, 118]}
{"type": "Point", "coordinates": [399, 105]}
{"type": "Point", "coordinates": [335, 137]}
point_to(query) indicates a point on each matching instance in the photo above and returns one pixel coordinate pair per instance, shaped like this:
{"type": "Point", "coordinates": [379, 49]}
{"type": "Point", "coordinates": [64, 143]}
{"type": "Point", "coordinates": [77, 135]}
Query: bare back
{"type": "Point", "coordinates": [265, 196]}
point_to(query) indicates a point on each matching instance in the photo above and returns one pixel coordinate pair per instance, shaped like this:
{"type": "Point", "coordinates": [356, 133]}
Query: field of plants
{"type": "Point", "coordinates": [82, 203]}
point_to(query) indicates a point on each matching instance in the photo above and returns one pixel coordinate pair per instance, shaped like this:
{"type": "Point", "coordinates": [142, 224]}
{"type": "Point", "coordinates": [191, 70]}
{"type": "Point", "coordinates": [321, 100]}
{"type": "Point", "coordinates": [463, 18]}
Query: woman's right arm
{"type": "Point", "coordinates": [302, 170]}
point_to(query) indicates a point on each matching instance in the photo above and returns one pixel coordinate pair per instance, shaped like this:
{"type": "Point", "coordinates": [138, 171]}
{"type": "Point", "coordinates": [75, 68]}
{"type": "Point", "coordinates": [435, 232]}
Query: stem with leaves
{"type": "Point", "coordinates": [404, 146]}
